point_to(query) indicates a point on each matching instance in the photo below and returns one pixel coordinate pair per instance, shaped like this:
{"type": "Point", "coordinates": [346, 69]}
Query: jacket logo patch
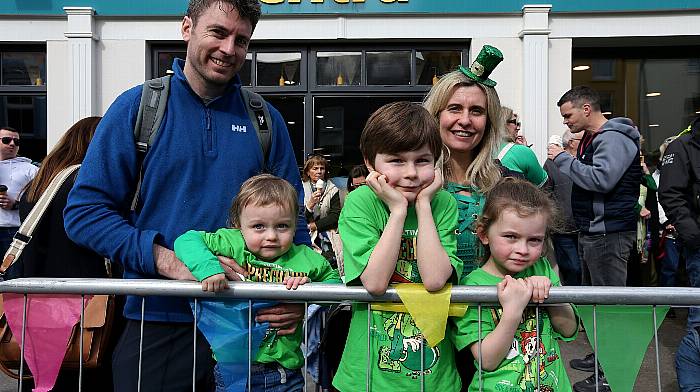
{"type": "Point", "coordinates": [238, 128]}
{"type": "Point", "coordinates": [667, 159]}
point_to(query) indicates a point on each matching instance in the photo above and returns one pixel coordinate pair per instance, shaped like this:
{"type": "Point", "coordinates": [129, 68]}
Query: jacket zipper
{"type": "Point", "coordinates": [209, 133]}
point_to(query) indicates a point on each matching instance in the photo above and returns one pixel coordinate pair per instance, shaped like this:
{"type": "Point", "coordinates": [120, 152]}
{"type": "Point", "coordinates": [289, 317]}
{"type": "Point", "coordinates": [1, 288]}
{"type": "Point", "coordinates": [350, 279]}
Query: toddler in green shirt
{"type": "Point", "coordinates": [518, 350]}
{"type": "Point", "coordinates": [263, 216]}
{"type": "Point", "coordinates": [400, 228]}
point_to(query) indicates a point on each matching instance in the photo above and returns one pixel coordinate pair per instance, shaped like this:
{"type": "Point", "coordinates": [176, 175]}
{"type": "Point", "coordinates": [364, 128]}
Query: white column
{"type": "Point", "coordinates": [81, 51]}
{"type": "Point", "coordinates": [535, 36]}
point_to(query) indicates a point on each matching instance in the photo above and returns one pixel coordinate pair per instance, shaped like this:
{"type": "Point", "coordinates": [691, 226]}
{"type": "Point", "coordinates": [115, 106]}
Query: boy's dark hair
{"type": "Point", "coordinates": [580, 95]}
{"type": "Point", "coordinates": [400, 127]}
{"type": "Point", "coordinates": [247, 9]}
{"type": "Point", "coordinates": [264, 190]}
{"type": "Point", "coordinates": [521, 196]}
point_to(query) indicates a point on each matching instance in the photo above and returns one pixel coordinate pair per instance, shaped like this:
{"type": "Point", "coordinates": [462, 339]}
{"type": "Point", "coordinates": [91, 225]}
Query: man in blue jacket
{"type": "Point", "coordinates": [205, 149]}
{"type": "Point", "coordinates": [606, 175]}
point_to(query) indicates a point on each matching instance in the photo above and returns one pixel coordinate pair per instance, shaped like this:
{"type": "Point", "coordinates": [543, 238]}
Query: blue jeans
{"type": "Point", "coordinates": [688, 362]}
{"type": "Point", "coordinates": [669, 263]}
{"type": "Point", "coordinates": [692, 266]}
{"type": "Point", "coordinates": [566, 251]}
{"type": "Point", "coordinates": [265, 377]}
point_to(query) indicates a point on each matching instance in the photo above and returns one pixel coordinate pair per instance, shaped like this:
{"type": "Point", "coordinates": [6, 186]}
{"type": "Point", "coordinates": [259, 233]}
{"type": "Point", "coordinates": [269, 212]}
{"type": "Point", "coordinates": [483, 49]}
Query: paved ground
{"type": "Point", "coordinates": [670, 333]}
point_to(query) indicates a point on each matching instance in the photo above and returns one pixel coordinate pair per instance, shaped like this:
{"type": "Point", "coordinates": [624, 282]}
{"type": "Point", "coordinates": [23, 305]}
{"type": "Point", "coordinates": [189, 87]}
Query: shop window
{"type": "Point", "coordinates": [23, 68]}
{"type": "Point", "coordinates": [389, 68]}
{"type": "Point", "coordinates": [431, 64]}
{"type": "Point", "coordinates": [278, 69]}
{"type": "Point", "coordinates": [656, 89]}
{"type": "Point", "coordinates": [338, 68]}
{"type": "Point", "coordinates": [23, 96]}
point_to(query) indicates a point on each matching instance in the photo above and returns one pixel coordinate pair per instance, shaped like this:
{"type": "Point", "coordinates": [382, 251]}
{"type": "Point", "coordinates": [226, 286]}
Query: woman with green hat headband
{"type": "Point", "coordinates": [469, 112]}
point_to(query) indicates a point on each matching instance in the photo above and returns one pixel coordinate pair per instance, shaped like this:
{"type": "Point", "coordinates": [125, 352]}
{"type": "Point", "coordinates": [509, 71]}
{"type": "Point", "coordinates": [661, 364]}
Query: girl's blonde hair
{"type": "Point", "coordinates": [522, 197]}
{"type": "Point", "coordinates": [483, 172]}
{"type": "Point", "coordinates": [264, 190]}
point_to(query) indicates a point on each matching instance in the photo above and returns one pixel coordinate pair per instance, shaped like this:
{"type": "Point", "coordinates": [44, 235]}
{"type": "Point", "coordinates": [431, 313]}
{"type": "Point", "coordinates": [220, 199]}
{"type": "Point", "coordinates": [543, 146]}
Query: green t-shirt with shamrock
{"type": "Point", "coordinates": [394, 344]}
{"type": "Point", "coordinates": [518, 372]}
{"type": "Point", "coordinates": [198, 250]}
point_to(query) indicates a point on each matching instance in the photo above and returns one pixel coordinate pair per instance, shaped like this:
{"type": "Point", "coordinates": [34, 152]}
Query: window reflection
{"type": "Point", "coordinates": [278, 69]}
{"type": "Point", "coordinates": [430, 65]}
{"type": "Point", "coordinates": [338, 68]}
{"type": "Point", "coordinates": [24, 68]}
{"type": "Point", "coordinates": [389, 68]}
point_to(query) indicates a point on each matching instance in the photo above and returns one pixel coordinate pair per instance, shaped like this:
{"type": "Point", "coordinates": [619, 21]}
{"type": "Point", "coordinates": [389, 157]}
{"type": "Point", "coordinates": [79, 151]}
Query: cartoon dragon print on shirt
{"type": "Point", "coordinates": [405, 349]}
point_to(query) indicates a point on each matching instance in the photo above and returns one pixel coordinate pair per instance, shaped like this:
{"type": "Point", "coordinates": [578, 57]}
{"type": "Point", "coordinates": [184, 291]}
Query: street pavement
{"type": "Point", "coordinates": [670, 333]}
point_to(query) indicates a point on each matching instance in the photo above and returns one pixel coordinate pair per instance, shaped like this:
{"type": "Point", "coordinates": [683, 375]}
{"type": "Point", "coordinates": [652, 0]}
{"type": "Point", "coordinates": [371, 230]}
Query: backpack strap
{"type": "Point", "coordinates": [154, 99]}
{"type": "Point", "coordinates": [25, 231]}
{"type": "Point", "coordinates": [260, 116]}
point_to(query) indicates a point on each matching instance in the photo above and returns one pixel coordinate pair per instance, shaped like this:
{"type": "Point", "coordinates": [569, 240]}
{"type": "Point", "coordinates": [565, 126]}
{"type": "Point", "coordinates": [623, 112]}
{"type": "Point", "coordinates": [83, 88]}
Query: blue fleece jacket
{"type": "Point", "coordinates": [199, 159]}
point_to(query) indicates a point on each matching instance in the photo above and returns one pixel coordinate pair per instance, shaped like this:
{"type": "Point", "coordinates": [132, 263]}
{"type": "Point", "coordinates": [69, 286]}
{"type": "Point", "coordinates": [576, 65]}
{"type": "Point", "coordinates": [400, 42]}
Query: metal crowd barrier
{"type": "Point", "coordinates": [328, 293]}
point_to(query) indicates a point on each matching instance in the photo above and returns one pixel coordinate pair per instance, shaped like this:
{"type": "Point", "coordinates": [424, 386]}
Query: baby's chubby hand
{"type": "Point", "coordinates": [292, 282]}
{"type": "Point", "coordinates": [387, 193]}
{"type": "Point", "coordinates": [540, 287]}
{"type": "Point", "coordinates": [215, 283]}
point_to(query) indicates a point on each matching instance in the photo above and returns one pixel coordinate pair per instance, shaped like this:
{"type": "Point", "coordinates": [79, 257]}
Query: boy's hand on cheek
{"type": "Point", "coordinates": [426, 194]}
{"type": "Point", "coordinates": [388, 194]}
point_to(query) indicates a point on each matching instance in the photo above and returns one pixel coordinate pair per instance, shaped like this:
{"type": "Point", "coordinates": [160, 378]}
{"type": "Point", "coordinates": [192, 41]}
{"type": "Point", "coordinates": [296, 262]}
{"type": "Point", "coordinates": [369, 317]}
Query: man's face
{"type": "Point", "coordinates": [576, 118]}
{"type": "Point", "coordinates": [8, 150]}
{"type": "Point", "coordinates": [217, 44]}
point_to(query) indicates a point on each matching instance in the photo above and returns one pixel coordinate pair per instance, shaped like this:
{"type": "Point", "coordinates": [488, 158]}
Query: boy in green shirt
{"type": "Point", "coordinates": [263, 215]}
{"type": "Point", "coordinates": [399, 228]}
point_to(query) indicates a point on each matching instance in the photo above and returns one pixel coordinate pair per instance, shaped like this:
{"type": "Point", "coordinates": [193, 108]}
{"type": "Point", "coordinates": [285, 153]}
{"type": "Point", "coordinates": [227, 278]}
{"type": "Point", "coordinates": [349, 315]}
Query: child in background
{"type": "Point", "coordinates": [400, 228]}
{"type": "Point", "coordinates": [513, 229]}
{"type": "Point", "coordinates": [263, 215]}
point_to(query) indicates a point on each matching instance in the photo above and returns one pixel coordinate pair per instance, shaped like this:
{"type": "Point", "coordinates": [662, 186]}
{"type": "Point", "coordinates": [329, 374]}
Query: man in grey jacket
{"type": "Point", "coordinates": [606, 175]}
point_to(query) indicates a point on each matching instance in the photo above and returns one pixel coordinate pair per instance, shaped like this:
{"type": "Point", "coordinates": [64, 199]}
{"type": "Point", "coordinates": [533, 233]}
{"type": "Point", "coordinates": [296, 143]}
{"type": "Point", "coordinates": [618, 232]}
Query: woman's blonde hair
{"type": "Point", "coordinates": [483, 172]}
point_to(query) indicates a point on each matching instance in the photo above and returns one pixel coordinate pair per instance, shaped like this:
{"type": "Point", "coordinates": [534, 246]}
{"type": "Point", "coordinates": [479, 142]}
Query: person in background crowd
{"type": "Point", "coordinates": [566, 241]}
{"type": "Point", "coordinates": [15, 174]}
{"type": "Point", "coordinates": [357, 177]}
{"type": "Point", "coordinates": [679, 194]}
{"type": "Point", "coordinates": [518, 157]}
{"type": "Point", "coordinates": [190, 175]}
{"type": "Point", "coordinates": [322, 207]}
{"type": "Point", "coordinates": [469, 113]}
{"type": "Point", "coordinates": [606, 174]}
{"type": "Point", "coordinates": [51, 254]}
{"type": "Point", "coordinates": [669, 248]}
{"type": "Point", "coordinates": [513, 129]}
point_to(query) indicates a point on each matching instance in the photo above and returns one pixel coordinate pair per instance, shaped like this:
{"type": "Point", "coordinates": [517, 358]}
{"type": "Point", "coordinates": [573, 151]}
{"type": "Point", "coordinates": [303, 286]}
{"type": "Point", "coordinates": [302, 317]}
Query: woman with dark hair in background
{"type": "Point", "coordinates": [357, 177]}
{"type": "Point", "coordinates": [50, 253]}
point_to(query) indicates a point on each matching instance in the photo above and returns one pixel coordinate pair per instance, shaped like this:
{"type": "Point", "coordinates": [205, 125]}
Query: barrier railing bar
{"type": "Point", "coordinates": [24, 336]}
{"type": "Point", "coordinates": [478, 348]}
{"type": "Point", "coordinates": [306, 342]}
{"type": "Point", "coordinates": [656, 349]}
{"type": "Point", "coordinates": [194, 349]}
{"type": "Point", "coordinates": [369, 345]}
{"type": "Point", "coordinates": [537, 342]}
{"type": "Point", "coordinates": [143, 316]}
{"type": "Point", "coordinates": [581, 295]}
{"type": "Point", "coordinates": [595, 347]}
{"type": "Point", "coordinates": [80, 346]}
{"type": "Point", "coordinates": [250, 343]}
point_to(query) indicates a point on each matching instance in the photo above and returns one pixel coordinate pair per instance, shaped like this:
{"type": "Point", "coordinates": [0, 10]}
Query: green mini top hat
{"type": "Point", "coordinates": [485, 63]}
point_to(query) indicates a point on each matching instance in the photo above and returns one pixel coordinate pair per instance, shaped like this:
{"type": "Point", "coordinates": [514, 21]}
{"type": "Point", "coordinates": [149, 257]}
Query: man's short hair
{"type": "Point", "coordinates": [400, 127]}
{"type": "Point", "coordinates": [247, 9]}
{"type": "Point", "coordinates": [7, 128]}
{"type": "Point", "coordinates": [580, 95]}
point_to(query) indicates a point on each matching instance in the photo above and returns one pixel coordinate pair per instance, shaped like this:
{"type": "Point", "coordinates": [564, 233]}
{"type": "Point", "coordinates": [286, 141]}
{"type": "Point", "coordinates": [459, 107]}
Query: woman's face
{"type": "Point", "coordinates": [357, 182]}
{"type": "Point", "coordinates": [316, 172]}
{"type": "Point", "coordinates": [463, 121]}
{"type": "Point", "coordinates": [513, 126]}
